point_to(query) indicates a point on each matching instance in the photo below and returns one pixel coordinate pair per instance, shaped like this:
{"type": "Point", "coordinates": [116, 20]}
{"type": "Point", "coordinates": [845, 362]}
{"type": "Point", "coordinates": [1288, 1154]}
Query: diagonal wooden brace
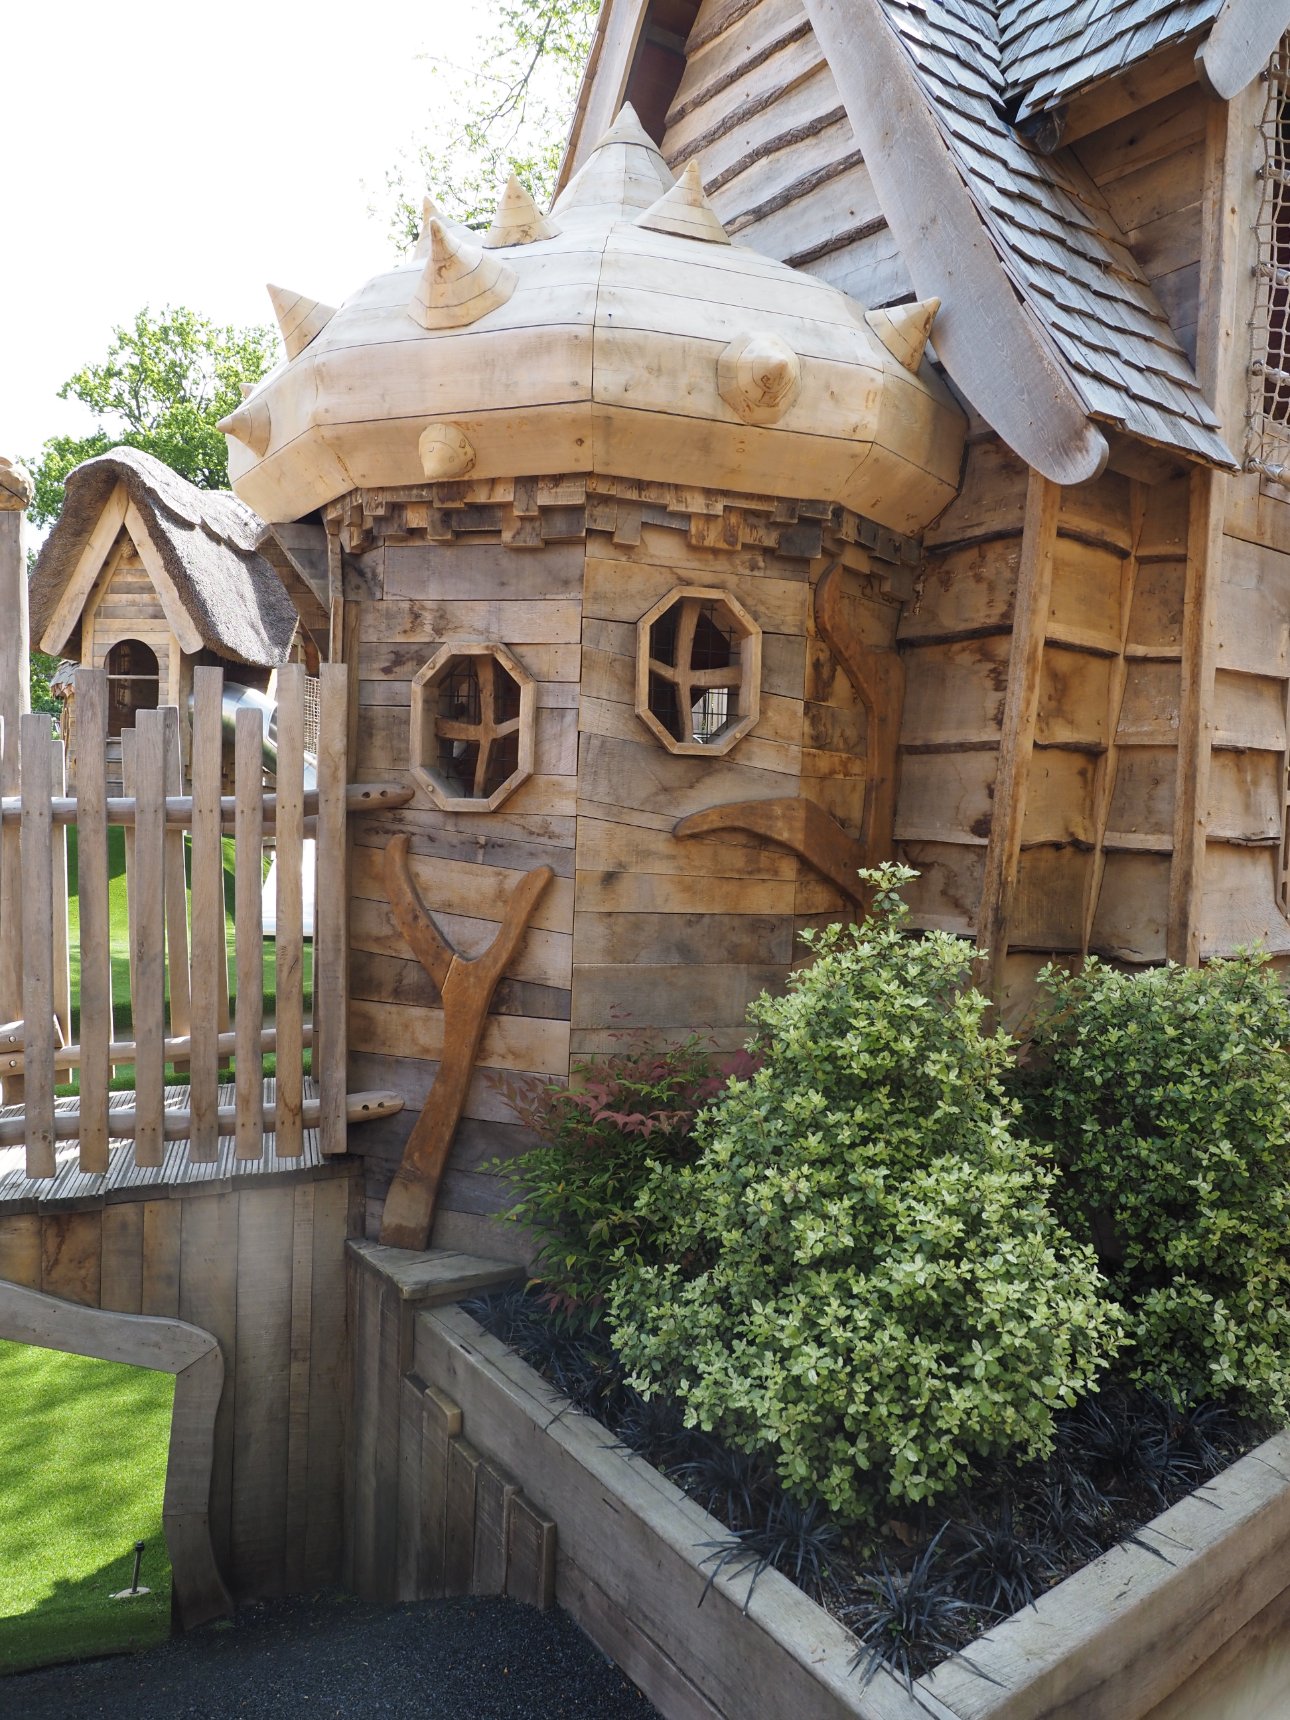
{"type": "Point", "coordinates": [466, 986]}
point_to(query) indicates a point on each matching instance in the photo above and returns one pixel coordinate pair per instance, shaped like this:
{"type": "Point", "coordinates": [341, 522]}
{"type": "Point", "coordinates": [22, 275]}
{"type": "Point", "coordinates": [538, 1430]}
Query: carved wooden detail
{"type": "Point", "coordinates": [473, 711]}
{"type": "Point", "coordinates": [698, 671]}
{"type": "Point", "coordinates": [801, 826]}
{"type": "Point", "coordinates": [466, 986]}
{"type": "Point", "coordinates": [878, 676]}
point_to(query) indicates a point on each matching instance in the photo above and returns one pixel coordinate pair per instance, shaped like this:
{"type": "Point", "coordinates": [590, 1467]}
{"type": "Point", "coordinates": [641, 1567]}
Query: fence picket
{"type": "Point", "coordinates": [209, 989]}
{"type": "Point", "coordinates": [147, 935]}
{"type": "Point", "coordinates": [96, 1030]}
{"type": "Point", "coordinates": [289, 947]}
{"type": "Point", "coordinates": [176, 891]}
{"type": "Point", "coordinates": [62, 952]}
{"type": "Point", "coordinates": [128, 834]}
{"type": "Point", "coordinates": [248, 930]}
{"type": "Point", "coordinates": [38, 941]}
{"type": "Point", "coordinates": [10, 900]}
{"type": "Point", "coordinates": [331, 897]}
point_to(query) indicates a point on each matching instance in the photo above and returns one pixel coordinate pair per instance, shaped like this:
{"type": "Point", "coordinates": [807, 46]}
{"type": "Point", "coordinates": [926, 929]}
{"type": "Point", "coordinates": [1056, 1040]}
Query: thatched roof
{"type": "Point", "coordinates": [205, 541]}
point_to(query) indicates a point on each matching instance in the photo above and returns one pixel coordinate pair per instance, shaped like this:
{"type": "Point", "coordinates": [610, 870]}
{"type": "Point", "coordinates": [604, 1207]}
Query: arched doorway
{"type": "Point", "coordinates": [134, 683]}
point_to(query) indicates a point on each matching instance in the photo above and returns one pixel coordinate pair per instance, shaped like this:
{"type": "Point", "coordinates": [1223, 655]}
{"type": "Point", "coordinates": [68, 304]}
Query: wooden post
{"type": "Point", "coordinates": [249, 1016]}
{"type": "Point", "coordinates": [331, 905]}
{"type": "Point", "coordinates": [38, 943]}
{"type": "Point", "coordinates": [96, 952]}
{"type": "Point", "coordinates": [147, 937]}
{"type": "Point", "coordinates": [209, 950]}
{"type": "Point", "coordinates": [1020, 714]}
{"type": "Point", "coordinates": [289, 940]}
{"type": "Point", "coordinates": [176, 892]}
{"type": "Point", "coordinates": [62, 953]}
{"type": "Point", "coordinates": [15, 699]}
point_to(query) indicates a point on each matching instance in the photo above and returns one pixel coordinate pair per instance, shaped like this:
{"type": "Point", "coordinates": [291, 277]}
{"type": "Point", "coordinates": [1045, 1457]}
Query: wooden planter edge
{"type": "Point", "coordinates": [1109, 1643]}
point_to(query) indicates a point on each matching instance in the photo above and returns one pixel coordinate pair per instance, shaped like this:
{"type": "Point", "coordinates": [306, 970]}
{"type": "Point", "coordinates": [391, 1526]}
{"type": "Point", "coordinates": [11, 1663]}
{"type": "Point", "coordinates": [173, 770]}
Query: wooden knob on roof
{"type": "Point", "coordinates": [759, 377]}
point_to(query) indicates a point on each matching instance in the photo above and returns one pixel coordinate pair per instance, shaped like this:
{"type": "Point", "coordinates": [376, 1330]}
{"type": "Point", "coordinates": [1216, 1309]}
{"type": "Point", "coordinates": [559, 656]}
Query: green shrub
{"type": "Point", "coordinates": [578, 1190]}
{"type": "Point", "coordinates": [1166, 1094]}
{"type": "Point", "coordinates": [860, 1273]}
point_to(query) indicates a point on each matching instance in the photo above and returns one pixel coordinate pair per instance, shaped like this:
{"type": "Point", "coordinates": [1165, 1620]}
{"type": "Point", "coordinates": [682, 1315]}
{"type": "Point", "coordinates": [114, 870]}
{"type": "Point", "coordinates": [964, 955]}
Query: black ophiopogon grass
{"type": "Point", "coordinates": [1119, 1457]}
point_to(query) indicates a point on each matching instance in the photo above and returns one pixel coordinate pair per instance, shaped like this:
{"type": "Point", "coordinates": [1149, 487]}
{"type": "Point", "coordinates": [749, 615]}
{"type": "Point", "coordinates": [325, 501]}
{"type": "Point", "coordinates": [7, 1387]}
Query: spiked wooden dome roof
{"type": "Point", "coordinates": [622, 334]}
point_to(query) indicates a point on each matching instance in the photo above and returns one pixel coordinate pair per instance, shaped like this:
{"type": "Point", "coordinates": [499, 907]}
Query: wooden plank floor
{"type": "Point", "coordinates": [74, 1185]}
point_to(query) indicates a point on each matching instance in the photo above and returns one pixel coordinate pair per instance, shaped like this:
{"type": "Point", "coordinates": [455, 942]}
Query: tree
{"type": "Point", "coordinates": [507, 114]}
{"type": "Point", "coordinates": [166, 382]}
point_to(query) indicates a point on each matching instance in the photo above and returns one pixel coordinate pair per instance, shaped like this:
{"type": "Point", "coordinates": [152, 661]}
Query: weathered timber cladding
{"type": "Point", "coordinates": [260, 1267]}
{"type": "Point", "coordinates": [639, 932]}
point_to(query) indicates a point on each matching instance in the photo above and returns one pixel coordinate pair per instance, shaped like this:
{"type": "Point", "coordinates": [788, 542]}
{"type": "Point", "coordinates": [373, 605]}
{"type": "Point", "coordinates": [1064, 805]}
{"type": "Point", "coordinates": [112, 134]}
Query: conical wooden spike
{"type": "Point", "coordinates": [251, 424]}
{"type": "Point", "coordinates": [460, 282]}
{"type": "Point", "coordinates": [518, 220]}
{"type": "Point", "coordinates": [300, 319]}
{"type": "Point", "coordinates": [904, 329]}
{"type": "Point", "coordinates": [685, 210]}
{"type": "Point", "coordinates": [430, 211]}
{"type": "Point", "coordinates": [623, 173]}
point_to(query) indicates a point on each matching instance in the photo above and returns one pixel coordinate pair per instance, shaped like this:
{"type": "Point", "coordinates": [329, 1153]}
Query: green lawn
{"type": "Point", "coordinates": [83, 1450]}
{"type": "Point", "coordinates": [118, 917]}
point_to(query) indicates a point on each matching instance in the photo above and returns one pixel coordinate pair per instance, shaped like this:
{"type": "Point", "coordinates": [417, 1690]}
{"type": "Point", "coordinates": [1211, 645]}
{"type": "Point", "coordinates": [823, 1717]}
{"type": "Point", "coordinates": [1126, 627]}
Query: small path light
{"type": "Point", "coordinates": [134, 1592]}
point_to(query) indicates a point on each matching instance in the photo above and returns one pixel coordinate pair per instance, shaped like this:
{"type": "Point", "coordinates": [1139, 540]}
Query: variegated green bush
{"type": "Point", "coordinates": [860, 1272]}
{"type": "Point", "coordinates": [1166, 1094]}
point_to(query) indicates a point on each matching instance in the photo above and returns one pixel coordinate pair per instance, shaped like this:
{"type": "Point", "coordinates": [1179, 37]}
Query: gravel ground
{"type": "Point", "coordinates": [478, 1659]}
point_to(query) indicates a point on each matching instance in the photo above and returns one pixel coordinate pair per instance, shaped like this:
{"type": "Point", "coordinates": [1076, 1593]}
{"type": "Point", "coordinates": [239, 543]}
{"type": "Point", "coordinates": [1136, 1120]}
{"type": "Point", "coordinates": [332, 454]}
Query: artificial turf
{"type": "Point", "coordinates": [83, 1447]}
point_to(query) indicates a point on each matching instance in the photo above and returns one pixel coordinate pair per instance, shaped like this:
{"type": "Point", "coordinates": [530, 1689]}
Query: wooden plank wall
{"type": "Point", "coordinates": [403, 599]}
{"type": "Point", "coordinates": [1096, 838]}
{"type": "Point", "coordinates": [1150, 167]}
{"type": "Point", "coordinates": [759, 108]}
{"type": "Point", "coordinates": [125, 605]}
{"type": "Point", "coordinates": [262, 1268]}
{"type": "Point", "coordinates": [640, 931]}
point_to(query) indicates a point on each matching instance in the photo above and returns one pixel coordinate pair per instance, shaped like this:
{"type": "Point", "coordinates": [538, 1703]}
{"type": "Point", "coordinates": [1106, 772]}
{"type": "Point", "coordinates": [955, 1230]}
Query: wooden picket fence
{"type": "Point", "coordinates": [178, 957]}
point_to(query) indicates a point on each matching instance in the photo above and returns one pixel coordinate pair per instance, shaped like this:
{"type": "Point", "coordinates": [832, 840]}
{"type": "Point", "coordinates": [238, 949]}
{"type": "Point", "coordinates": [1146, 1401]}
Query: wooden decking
{"type": "Point", "coordinates": [126, 1180]}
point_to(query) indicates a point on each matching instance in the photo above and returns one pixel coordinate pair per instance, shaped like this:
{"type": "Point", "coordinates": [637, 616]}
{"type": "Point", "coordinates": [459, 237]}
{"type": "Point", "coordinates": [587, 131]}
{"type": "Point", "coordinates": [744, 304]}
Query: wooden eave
{"type": "Point", "coordinates": [629, 35]}
{"type": "Point", "coordinates": [992, 346]}
{"type": "Point", "coordinates": [1242, 41]}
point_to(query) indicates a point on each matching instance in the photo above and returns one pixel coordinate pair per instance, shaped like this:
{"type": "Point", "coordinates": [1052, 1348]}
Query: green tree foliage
{"type": "Point", "coordinates": [860, 1273]}
{"type": "Point", "coordinates": [42, 667]}
{"type": "Point", "coordinates": [166, 382]}
{"type": "Point", "coordinates": [1166, 1094]}
{"type": "Point", "coordinates": [509, 112]}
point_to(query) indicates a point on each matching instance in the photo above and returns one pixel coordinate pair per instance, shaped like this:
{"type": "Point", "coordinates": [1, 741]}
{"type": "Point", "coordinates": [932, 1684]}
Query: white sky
{"type": "Point", "coordinates": [158, 152]}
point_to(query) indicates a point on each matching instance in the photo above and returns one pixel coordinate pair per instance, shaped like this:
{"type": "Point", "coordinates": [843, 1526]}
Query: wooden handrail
{"type": "Point", "coordinates": [176, 1050]}
{"type": "Point", "coordinates": [177, 1125]}
{"type": "Point", "coordinates": [359, 797]}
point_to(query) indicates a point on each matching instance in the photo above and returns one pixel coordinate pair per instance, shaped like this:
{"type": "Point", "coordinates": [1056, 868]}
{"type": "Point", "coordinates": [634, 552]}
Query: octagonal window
{"type": "Point", "coordinates": [698, 671]}
{"type": "Point", "coordinates": [472, 726]}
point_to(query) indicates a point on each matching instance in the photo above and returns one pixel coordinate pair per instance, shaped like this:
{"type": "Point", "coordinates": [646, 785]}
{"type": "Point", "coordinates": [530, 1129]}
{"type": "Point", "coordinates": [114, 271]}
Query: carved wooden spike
{"type": "Point", "coordinates": [251, 424]}
{"type": "Point", "coordinates": [625, 171]}
{"type": "Point", "coordinates": [685, 210]}
{"type": "Point", "coordinates": [300, 319]}
{"type": "Point", "coordinates": [759, 376]}
{"type": "Point", "coordinates": [446, 452]}
{"type": "Point", "coordinates": [879, 678]}
{"type": "Point", "coordinates": [904, 329]}
{"type": "Point", "coordinates": [466, 987]}
{"type": "Point", "coordinates": [430, 211]}
{"type": "Point", "coordinates": [460, 283]}
{"type": "Point", "coordinates": [518, 220]}
{"type": "Point", "coordinates": [798, 825]}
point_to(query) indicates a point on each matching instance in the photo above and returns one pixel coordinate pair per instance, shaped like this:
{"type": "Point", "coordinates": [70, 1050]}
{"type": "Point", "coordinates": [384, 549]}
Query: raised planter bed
{"type": "Point", "coordinates": [1198, 1629]}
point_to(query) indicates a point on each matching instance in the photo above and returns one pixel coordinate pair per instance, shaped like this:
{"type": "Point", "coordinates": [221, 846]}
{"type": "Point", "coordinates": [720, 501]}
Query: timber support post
{"type": "Point", "coordinates": [1017, 741]}
{"type": "Point", "coordinates": [15, 700]}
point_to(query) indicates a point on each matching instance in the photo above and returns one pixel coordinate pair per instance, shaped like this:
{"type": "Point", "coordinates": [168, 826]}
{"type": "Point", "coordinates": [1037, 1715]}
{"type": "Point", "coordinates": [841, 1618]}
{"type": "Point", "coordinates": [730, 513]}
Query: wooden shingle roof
{"type": "Point", "coordinates": [1050, 49]}
{"type": "Point", "coordinates": [1057, 239]}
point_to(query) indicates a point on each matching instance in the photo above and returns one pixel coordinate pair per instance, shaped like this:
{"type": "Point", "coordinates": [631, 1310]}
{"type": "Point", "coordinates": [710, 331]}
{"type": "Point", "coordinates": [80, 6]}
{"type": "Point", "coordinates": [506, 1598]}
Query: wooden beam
{"type": "Point", "coordinates": [1242, 41]}
{"type": "Point", "coordinates": [181, 623]}
{"type": "Point", "coordinates": [89, 564]}
{"type": "Point", "coordinates": [359, 797]}
{"type": "Point", "coordinates": [177, 1124]}
{"type": "Point", "coordinates": [991, 345]}
{"type": "Point", "coordinates": [1017, 740]}
{"type": "Point", "coordinates": [604, 82]}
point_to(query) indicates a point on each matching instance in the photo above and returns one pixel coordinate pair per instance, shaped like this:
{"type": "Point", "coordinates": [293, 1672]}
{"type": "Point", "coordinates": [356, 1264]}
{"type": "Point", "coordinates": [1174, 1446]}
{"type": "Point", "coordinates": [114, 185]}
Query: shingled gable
{"type": "Point", "coordinates": [199, 548]}
{"type": "Point", "coordinates": [1049, 326]}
